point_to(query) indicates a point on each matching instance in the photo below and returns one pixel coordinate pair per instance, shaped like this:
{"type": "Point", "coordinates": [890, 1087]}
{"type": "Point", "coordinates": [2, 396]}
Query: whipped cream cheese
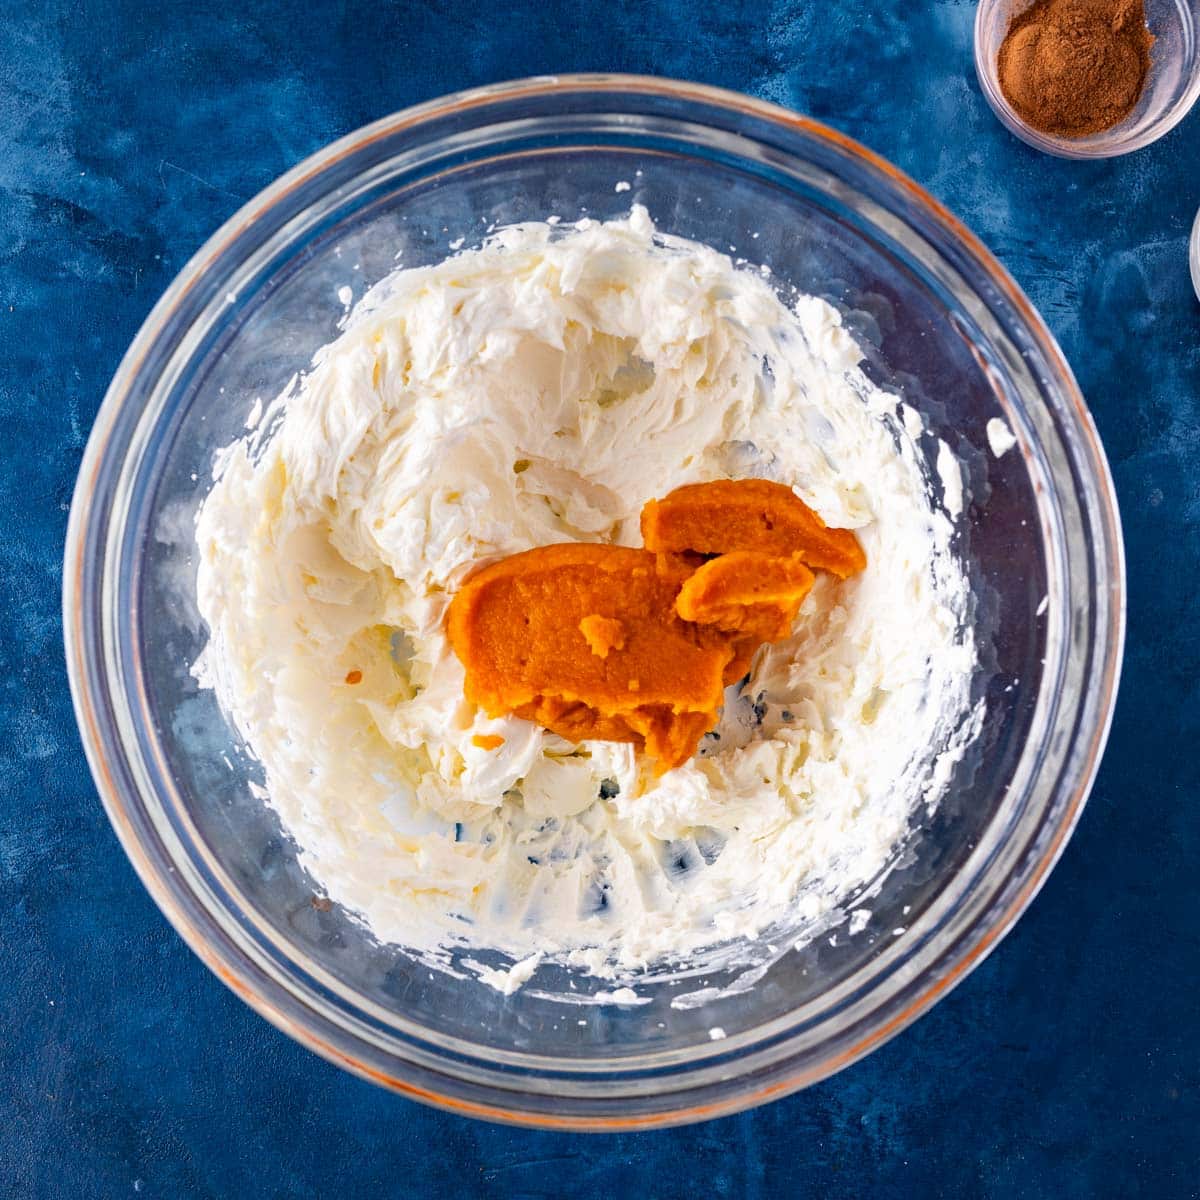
{"type": "Point", "coordinates": [542, 389]}
{"type": "Point", "coordinates": [1000, 437]}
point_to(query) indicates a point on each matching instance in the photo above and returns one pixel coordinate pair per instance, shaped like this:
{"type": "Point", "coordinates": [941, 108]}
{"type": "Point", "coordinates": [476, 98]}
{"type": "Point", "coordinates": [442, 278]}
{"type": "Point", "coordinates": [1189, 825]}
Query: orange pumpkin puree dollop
{"type": "Point", "coordinates": [606, 642]}
{"type": "Point", "coordinates": [748, 514]}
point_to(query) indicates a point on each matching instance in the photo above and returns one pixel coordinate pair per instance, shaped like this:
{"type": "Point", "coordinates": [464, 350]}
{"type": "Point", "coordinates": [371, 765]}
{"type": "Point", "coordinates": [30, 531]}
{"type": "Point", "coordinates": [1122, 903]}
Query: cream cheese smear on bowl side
{"type": "Point", "coordinates": [542, 389]}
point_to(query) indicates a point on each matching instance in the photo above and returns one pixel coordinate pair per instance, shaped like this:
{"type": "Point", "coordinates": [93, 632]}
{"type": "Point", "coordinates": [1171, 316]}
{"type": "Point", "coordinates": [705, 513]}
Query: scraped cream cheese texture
{"type": "Point", "coordinates": [542, 389]}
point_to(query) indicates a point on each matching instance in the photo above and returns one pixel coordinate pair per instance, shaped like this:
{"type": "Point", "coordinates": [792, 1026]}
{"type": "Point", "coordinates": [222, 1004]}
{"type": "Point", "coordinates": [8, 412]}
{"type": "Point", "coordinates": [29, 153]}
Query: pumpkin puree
{"type": "Point", "coordinates": [748, 514]}
{"type": "Point", "coordinates": [604, 642]}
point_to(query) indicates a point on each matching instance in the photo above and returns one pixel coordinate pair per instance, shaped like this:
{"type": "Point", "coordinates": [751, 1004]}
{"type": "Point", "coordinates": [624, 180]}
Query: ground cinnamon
{"type": "Point", "coordinates": [1076, 67]}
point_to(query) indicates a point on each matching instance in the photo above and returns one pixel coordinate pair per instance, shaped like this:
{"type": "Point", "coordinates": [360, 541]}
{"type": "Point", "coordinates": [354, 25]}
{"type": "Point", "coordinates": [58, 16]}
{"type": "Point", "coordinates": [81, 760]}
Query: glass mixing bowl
{"type": "Point", "coordinates": [940, 320]}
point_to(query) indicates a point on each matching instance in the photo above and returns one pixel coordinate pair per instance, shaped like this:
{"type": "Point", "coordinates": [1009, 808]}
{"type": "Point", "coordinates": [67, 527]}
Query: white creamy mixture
{"type": "Point", "coordinates": [543, 389]}
{"type": "Point", "coordinates": [1000, 437]}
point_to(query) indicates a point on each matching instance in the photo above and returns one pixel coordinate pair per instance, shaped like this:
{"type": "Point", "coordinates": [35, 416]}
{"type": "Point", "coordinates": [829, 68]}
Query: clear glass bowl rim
{"type": "Point", "coordinates": [1194, 254]}
{"type": "Point", "coordinates": [1111, 144]}
{"type": "Point", "coordinates": [736, 1082]}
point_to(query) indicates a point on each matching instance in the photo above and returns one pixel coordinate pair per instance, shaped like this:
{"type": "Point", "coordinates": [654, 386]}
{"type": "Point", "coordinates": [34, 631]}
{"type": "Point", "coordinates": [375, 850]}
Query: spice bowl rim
{"type": "Point", "coordinates": [1109, 143]}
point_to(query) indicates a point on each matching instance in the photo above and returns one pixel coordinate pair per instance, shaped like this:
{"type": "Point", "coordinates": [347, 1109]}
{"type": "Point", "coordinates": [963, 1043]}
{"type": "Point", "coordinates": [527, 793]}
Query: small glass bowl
{"type": "Point", "coordinates": [1171, 88]}
{"type": "Point", "coordinates": [1194, 255]}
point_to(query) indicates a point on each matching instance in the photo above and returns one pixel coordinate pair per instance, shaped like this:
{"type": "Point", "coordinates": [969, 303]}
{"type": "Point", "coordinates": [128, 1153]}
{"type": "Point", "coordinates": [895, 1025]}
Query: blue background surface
{"type": "Point", "coordinates": [1067, 1065]}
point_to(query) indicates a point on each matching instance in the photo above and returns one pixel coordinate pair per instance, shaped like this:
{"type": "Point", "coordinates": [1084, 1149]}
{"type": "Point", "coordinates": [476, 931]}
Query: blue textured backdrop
{"type": "Point", "coordinates": [1066, 1066]}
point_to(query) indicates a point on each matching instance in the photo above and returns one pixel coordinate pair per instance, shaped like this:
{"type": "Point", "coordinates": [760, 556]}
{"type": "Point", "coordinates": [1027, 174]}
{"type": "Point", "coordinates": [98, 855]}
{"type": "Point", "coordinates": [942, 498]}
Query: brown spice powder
{"type": "Point", "coordinates": [1076, 67]}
